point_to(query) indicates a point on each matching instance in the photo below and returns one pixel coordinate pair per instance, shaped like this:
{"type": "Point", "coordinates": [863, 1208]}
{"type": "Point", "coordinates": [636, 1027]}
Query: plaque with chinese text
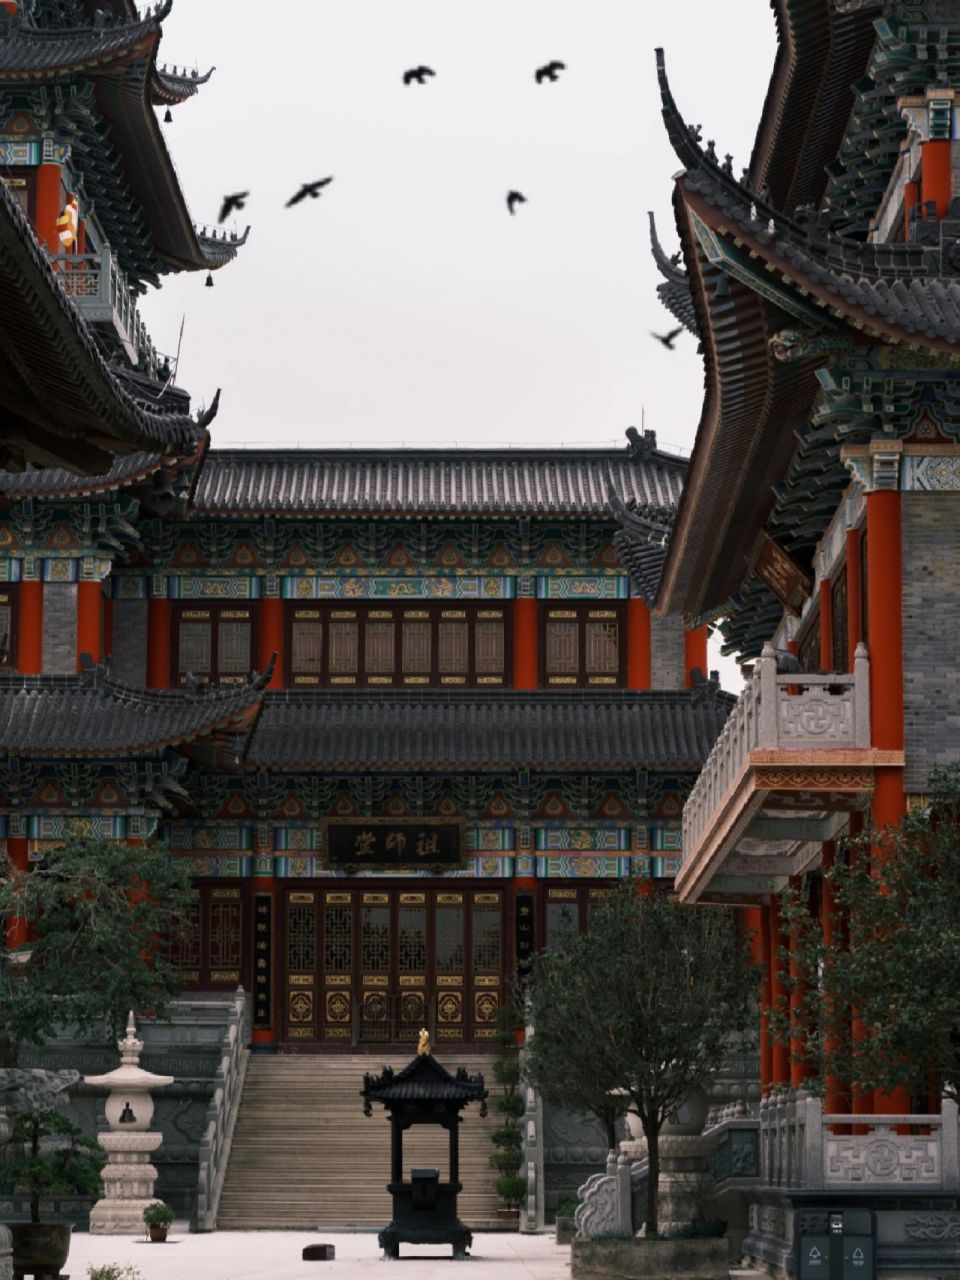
{"type": "Point", "coordinates": [380, 842]}
{"type": "Point", "coordinates": [780, 572]}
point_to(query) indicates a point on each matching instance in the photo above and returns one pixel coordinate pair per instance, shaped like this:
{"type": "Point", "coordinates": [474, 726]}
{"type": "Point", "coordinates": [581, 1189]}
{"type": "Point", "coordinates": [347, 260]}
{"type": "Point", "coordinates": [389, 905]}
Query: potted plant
{"type": "Point", "coordinates": [158, 1217]}
{"type": "Point", "coordinates": [508, 1138]}
{"type": "Point", "coordinates": [47, 1155]}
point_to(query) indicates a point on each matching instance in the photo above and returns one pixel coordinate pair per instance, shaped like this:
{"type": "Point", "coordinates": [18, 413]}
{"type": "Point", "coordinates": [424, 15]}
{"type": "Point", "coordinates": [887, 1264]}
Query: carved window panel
{"type": "Point", "coordinates": [301, 939]}
{"type": "Point", "coordinates": [563, 649]}
{"type": "Point", "coordinates": [214, 643]}
{"type": "Point", "coordinates": [487, 940]}
{"type": "Point", "coordinates": [412, 939]}
{"type": "Point", "coordinates": [184, 951]}
{"type": "Point", "coordinates": [603, 648]}
{"type": "Point", "coordinates": [233, 647]}
{"type": "Point", "coordinates": [338, 937]}
{"type": "Point", "coordinates": [195, 647]}
{"type": "Point", "coordinates": [489, 644]}
{"type": "Point", "coordinates": [449, 938]}
{"type": "Point", "coordinates": [375, 940]}
{"type": "Point", "coordinates": [379, 647]}
{"type": "Point", "coordinates": [584, 646]}
{"type": "Point", "coordinates": [453, 647]}
{"type": "Point", "coordinates": [417, 648]}
{"type": "Point", "coordinates": [560, 916]}
{"type": "Point", "coordinates": [225, 934]}
{"type": "Point", "coordinates": [306, 644]}
{"type": "Point", "coordinates": [344, 648]}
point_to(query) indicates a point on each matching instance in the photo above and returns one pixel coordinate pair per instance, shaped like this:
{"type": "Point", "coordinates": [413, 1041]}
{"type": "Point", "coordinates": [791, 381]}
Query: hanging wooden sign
{"type": "Point", "coordinates": [780, 572]}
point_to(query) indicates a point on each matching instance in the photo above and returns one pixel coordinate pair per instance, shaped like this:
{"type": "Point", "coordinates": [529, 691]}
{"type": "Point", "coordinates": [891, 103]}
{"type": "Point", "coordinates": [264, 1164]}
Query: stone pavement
{"type": "Point", "coordinates": [275, 1255]}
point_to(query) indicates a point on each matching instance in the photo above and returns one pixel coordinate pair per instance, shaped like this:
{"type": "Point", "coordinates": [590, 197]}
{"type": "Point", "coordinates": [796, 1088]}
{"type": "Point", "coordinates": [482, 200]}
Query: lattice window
{"type": "Point", "coordinates": [225, 934]}
{"type": "Point", "coordinates": [183, 949]}
{"type": "Point", "coordinates": [563, 648]}
{"type": "Point", "coordinates": [195, 647]}
{"type": "Point", "coordinates": [375, 940]}
{"type": "Point", "coordinates": [306, 648]}
{"type": "Point", "coordinates": [602, 648]}
{"type": "Point", "coordinates": [301, 939]}
{"type": "Point", "coordinates": [486, 940]}
{"type": "Point", "coordinates": [344, 648]}
{"type": "Point", "coordinates": [449, 924]}
{"type": "Point", "coordinates": [338, 938]}
{"type": "Point", "coordinates": [808, 648]}
{"type": "Point", "coordinates": [453, 641]}
{"type": "Point", "coordinates": [416, 648]}
{"type": "Point", "coordinates": [412, 939]}
{"type": "Point", "coordinates": [233, 647]}
{"type": "Point", "coordinates": [379, 642]}
{"type": "Point", "coordinates": [489, 647]}
{"type": "Point", "coordinates": [6, 635]}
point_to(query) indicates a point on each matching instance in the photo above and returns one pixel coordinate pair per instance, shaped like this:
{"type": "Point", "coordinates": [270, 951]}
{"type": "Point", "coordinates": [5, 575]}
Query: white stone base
{"type": "Point", "coordinates": [128, 1182]}
{"type": "Point", "coordinates": [118, 1218]}
{"type": "Point", "coordinates": [6, 1260]}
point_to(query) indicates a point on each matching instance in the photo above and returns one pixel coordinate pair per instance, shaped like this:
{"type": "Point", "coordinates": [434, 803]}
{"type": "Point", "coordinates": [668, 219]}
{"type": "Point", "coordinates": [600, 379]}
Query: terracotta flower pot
{"type": "Point", "coordinates": [40, 1248]}
{"type": "Point", "coordinates": [158, 1234]}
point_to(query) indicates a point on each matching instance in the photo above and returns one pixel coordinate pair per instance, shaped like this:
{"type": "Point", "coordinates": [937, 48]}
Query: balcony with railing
{"type": "Point", "coordinates": [792, 761]}
{"type": "Point", "coordinates": [102, 294]}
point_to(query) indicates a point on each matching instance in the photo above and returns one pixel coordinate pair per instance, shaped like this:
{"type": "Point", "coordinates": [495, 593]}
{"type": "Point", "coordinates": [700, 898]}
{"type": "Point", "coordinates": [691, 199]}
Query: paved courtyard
{"type": "Point", "coordinates": [275, 1255]}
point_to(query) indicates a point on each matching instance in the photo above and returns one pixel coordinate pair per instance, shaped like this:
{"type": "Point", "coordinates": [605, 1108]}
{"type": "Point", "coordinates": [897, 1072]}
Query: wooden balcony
{"type": "Point", "coordinates": [792, 761]}
{"type": "Point", "coordinates": [100, 291]}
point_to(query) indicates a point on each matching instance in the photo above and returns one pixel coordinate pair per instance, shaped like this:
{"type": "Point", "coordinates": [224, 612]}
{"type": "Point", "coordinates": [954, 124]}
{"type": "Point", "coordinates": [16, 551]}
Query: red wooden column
{"type": "Point", "coordinates": [936, 174]}
{"type": "Point", "coordinates": [30, 628]}
{"type": "Point", "coordinates": [49, 202]}
{"type": "Point", "coordinates": [758, 928]}
{"type": "Point", "coordinates": [89, 620]}
{"type": "Point", "coordinates": [694, 653]}
{"type": "Point", "coordinates": [17, 929]}
{"type": "Point", "coordinates": [835, 1100]}
{"type": "Point", "coordinates": [799, 1069]}
{"type": "Point", "coordinates": [854, 596]}
{"type": "Point", "coordinates": [159, 624]}
{"type": "Point", "coordinates": [826, 626]}
{"type": "Point", "coordinates": [526, 658]}
{"type": "Point", "coordinates": [638, 645]}
{"type": "Point", "coordinates": [780, 1056]}
{"type": "Point", "coordinates": [271, 639]}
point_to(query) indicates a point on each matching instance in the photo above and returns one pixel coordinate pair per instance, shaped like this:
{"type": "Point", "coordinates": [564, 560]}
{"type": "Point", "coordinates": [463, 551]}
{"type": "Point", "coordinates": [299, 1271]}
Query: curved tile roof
{"type": "Point", "coordinates": [408, 482]}
{"type": "Point", "coordinates": [503, 730]}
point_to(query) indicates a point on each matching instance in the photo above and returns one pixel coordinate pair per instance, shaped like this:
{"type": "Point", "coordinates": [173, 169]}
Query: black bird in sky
{"type": "Point", "coordinates": [312, 189]}
{"type": "Point", "coordinates": [667, 339]}
{"type": "Point", "coordinates": [549, 71]}
{"type": "Point", "coordinates": [418, 74]}
{"type": "Point", "coordinates": [236, 201]}
{"type": "Point", "coordinates": [513, 199]}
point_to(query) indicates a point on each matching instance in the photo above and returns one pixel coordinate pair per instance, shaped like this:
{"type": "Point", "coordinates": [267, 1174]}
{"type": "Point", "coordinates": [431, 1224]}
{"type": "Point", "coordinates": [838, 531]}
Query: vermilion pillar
{"type": "Point", "coordinates": [694, 653]}
{"type": "Point", "coordinates": [49, 201]}
{"type": "Point", "coordinates": [780, 1056]}
{"type": "Point", "coordinates": [17, 929]}
{"type": "Point", "coordinates": [107, 626]}
{"type": "Point", "coordinates": [89, 620]}
{"type": "Point", "coordinates": [638, 645]}
{"type": "Point", "coordinates": [885, 628]}
{"type": "Point", "coordinates": [271, 639]}
{"type": "Point", "coordinates": [526, 673]}
{"type": "Point", "coordinates": [758, 926]}
{"type": "Point", "coordinates": [30, 628]}
{"type": "Point", "coordinates": [835, 1099]}
{"type": "Point", "coordinates": [936, 174]}
{"type": "Point", "coordinates": [854, 596]}
{"type": "Point", "coordinates": [799, 1068]}
{"type": "Point", "coordinates": [159, 621]}
{"type": "Point", "coordinates": [826, 626]}
{"type": "Point", "coordinates": [911, 197]}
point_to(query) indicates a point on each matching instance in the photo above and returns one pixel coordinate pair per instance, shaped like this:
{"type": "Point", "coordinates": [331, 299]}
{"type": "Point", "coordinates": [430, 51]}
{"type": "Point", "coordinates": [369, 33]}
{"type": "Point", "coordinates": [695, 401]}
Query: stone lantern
{"type": "Point", "coordinates": [128, 1177]}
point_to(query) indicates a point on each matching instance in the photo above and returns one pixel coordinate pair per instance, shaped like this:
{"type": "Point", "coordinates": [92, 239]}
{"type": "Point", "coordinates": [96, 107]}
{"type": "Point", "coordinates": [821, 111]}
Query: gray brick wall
{"type": "Point", "coordinates": [128, 660]}
{"type": "Point", "coordinates": [666, 653]}
{"type": "Point", "coordinates": [59, 628]}
{"type": "Point", "coordinates": [931, 633]}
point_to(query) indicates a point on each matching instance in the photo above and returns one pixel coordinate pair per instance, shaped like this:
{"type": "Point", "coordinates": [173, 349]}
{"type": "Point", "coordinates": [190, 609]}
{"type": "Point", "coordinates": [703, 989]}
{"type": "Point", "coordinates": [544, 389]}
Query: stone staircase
{"type": "Point", "coordinates": [304, 1155]}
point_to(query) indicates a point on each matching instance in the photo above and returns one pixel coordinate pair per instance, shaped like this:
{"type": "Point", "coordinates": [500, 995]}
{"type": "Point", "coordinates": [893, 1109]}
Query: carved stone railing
{"type": "Point", "coordinates": [221, 1117]}
{"type": "Point", "coordinates": [795, 712]}
{"type": "Point", "coordinates": [102, 294]}
{"type": "Point", "coordinates": [800, 1147]}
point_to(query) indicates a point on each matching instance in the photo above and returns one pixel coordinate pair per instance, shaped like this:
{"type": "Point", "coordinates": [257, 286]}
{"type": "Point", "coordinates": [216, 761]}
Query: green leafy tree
{"type": "Point", "coordinates": [891, 962]}
{"type": "Point", "coordinates": [49, 1155]}
{"type": "Point", "coordinates": [650, 1001]}
{"type": "Point", "coordinates": [98, 911]}
{"type": "Point", "coordinates": [507, 1139]}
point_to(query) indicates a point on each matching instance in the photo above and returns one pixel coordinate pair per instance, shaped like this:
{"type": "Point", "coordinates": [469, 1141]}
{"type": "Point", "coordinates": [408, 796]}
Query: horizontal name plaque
{"type": "Point", "coordinates": [387, 843]}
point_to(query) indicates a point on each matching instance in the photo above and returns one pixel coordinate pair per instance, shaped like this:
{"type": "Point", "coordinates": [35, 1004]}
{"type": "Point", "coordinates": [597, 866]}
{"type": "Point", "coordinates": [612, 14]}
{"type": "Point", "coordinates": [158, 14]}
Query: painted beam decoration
{"type": "Point", "coordinates": [385, 843]}
{"type": "Point", "coordinates": [780, 572]}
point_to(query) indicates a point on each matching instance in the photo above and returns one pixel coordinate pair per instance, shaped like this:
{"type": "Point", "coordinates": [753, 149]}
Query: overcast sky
{"type": "Point", "coordinates": [405, 306]}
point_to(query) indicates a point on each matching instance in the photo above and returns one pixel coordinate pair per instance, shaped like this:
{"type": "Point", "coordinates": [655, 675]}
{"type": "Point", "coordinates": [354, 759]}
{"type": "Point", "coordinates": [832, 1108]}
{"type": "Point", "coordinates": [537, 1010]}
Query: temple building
{"type": "Point", "coordinates": [401, 711]}
{"type": "Point", "coordinates": [819, 519]}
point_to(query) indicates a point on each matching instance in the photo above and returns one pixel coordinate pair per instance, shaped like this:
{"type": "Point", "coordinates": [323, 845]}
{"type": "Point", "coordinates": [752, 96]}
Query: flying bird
{"type": "Point", "coordinates": [513, 199]}
{"type": "Point", "coordinates": [667, 339]}
{"type": "Point", "coordinates": [549, 71]}
{"type": "Point", "coordinates": [418, 74]}
{"type": "Point", "coordinates": [236, 201]}
{"type": "Point", "coordinates": [311, 189]}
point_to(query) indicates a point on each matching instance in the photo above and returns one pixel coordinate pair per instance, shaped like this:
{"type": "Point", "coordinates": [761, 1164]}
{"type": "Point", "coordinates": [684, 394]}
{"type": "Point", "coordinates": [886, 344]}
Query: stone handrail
{"type": "Point", "coordinates": [221, 1117]}
{"type": "Point", "coordinates": [794, 711]}
{"type": "Point", "coordinates": [800, 1146]}
{"type": "Point", "coordinates": [102, 293]}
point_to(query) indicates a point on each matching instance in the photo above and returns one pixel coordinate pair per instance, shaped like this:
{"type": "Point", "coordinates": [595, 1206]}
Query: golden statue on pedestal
{"type": "Point", "coordinates": [423, 1044]}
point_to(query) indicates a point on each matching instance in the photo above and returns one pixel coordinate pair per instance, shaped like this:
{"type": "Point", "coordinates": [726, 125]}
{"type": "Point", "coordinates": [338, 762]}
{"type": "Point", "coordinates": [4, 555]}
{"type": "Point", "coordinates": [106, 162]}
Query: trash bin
{"type": "Point", "coordinates": [424, 1184]}
{"type": "Point", "coordinates": [847, 1252]}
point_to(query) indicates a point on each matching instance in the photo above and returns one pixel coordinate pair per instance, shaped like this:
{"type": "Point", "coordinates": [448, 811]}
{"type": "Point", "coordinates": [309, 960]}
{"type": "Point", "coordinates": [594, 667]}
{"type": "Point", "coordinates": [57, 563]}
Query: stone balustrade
{"type": "Point", "coordinates": [221, 1116]}
{"type": "Point", "coordinates": [790, 712]}
{"type": "Point", "coordinates": [102, 294]}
